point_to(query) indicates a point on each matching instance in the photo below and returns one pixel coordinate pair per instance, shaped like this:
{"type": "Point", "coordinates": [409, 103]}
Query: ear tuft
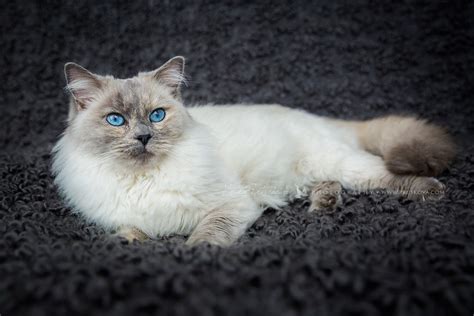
{"type": "Point", "coordinates": [82, 84]}
{"type": "Point", "coordinates": [171, 73]}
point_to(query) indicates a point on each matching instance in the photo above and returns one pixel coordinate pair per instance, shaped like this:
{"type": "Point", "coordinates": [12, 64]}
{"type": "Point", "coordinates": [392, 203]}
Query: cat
{"type": "Point", "coordinates": [135, 160]}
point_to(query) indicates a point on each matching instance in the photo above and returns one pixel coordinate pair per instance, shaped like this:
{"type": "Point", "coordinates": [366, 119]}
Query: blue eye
{"type": "Point", "coordinates": [157, 115]}
{"type": "Point", "coordinates": [115, 119]}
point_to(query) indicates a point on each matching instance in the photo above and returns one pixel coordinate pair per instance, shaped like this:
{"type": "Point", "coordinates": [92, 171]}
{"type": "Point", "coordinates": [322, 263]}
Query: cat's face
{"type": "Point", "coordinates": [134, 121]}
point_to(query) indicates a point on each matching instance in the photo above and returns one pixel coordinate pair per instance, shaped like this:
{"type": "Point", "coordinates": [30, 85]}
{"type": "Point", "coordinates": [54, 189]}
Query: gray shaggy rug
{"type": "Point", "coordinates": [376, 255]}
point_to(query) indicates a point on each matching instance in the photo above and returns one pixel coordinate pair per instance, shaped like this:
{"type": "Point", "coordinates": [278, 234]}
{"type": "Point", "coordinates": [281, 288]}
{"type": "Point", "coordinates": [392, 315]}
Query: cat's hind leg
{"type": "Point", "coordinates": [325, 196]}
{"type": "Point", "coordinates": [360, 170]}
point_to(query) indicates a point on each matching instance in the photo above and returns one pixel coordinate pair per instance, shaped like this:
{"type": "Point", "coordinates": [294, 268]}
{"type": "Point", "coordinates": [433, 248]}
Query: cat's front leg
{"type": "Point", "coordinates": [131, 233]}
{"type": "Point", "coordinates": [221, 227]}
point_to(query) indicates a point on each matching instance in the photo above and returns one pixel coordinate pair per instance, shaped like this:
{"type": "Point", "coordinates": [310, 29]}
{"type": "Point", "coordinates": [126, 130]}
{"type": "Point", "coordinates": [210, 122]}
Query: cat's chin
{"type": "Point", "coordinates": [138, 161]}
{"type": "Point", "coordinates": [142, 156]}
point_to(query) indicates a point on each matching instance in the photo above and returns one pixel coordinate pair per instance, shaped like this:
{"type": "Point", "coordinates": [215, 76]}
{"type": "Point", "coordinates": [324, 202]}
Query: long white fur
{"type": "Point", "coordinates": [243, 158]}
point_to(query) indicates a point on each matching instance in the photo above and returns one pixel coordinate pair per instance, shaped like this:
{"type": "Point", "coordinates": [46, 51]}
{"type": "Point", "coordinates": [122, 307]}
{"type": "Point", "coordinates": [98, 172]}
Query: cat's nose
{"type": "Point", "coordinates": [143, 138]}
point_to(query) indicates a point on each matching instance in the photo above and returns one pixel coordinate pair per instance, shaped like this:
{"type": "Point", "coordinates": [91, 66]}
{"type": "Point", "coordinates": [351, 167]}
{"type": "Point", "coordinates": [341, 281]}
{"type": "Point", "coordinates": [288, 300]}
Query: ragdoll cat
{"type": "Point", "coordinates": [135, 160]}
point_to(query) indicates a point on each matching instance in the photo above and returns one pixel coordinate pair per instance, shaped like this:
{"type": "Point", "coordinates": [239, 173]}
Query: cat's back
{"type": "Point", "coordinates": [245, 127]}
{"type": "Point", "coordinates": [247, 115]}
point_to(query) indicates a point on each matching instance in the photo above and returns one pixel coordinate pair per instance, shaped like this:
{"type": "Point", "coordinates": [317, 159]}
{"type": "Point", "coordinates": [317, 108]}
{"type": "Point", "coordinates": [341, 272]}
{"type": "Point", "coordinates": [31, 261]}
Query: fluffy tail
{"type": "Point", "coordinates": [408, 145]}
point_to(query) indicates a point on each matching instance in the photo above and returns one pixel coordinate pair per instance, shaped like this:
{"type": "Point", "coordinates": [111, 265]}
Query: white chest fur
{"type": "Point", "coordinates": [171, 199]}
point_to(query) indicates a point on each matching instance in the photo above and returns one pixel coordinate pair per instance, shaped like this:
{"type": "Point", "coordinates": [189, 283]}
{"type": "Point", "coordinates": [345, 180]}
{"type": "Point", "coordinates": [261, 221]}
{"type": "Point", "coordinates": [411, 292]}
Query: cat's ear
{"type": "Point", "coordinates": [83, 85]}
{"type": "Point", "coordinates": [171, 74]}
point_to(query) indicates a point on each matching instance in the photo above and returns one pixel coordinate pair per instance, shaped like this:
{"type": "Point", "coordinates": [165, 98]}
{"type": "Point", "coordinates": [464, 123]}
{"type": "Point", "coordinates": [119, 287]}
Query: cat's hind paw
{"type": "Point", "coordinates": [426, 189]}
{"type": "Point", "coordinates": [325, 196]}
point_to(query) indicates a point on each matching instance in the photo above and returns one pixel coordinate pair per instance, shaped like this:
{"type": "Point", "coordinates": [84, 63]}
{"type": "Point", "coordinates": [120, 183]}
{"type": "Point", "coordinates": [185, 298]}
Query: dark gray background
{"type": "Point", "coordinates": [375, 255]}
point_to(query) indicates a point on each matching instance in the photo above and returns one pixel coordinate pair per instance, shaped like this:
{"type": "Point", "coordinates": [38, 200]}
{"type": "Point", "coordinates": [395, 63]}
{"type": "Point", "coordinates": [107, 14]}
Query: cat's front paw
{"type": "Point", "coordinates": [195, 241]}
{"type": "Point", "coordinates": [131, 233]}
{"type": "Point", "coordinates": [325, 196]}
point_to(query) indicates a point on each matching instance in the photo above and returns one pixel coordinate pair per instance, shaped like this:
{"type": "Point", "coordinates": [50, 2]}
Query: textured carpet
{"type": "Point", "coordinates": [377, 255]}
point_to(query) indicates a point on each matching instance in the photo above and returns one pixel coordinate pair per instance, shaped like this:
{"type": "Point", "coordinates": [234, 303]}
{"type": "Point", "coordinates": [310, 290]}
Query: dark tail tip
{"type": "Point", "coordinates": [427, 157]}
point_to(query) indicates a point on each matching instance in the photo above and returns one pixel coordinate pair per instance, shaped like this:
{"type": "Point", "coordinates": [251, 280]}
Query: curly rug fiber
{"type": "Point", "coordinates": [376, 255]}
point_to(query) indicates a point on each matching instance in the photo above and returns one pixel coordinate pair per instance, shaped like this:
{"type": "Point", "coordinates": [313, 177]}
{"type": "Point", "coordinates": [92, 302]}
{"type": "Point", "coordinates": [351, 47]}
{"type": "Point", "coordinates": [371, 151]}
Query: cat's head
{"type": "Point", "coordinates": [135, 121]}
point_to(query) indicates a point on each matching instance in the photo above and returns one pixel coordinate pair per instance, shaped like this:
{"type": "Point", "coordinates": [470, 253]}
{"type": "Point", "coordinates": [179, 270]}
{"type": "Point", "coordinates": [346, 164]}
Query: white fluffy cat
{"type": "Point", "coordinates": [134, 159]}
